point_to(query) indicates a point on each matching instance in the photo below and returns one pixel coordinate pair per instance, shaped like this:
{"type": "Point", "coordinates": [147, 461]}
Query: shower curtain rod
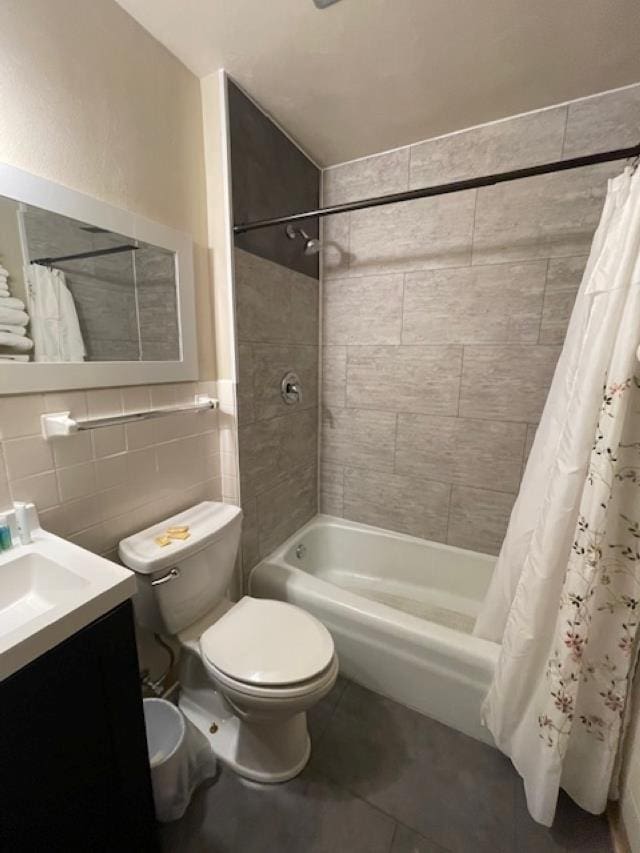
{"type": "Point", "coordinates": [443, 189]}
{"type": "Point", "coordinates": [114, 250]}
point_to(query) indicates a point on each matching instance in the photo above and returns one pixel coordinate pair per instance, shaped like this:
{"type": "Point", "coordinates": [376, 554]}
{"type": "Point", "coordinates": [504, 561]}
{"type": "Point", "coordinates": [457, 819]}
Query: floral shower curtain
{"type": "Point", "coordinates": [565, 597]}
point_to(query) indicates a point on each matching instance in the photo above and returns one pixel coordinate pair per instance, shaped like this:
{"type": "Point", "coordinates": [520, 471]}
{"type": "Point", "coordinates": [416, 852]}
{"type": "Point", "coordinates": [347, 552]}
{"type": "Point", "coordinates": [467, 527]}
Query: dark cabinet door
{"type": "Point", "coordinates": [73, 762]}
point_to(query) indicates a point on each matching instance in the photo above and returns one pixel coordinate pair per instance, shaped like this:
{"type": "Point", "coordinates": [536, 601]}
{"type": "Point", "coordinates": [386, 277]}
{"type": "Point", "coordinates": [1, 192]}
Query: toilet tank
{"type": "Point", "coordinates": [194, 573]}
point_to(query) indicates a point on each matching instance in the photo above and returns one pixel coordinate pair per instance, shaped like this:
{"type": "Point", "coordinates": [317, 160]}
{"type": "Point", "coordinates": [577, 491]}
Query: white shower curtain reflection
{"type": "Point", "coordinates": [54, 319]}
{"type": "Point", "coordinates": [564, 596]}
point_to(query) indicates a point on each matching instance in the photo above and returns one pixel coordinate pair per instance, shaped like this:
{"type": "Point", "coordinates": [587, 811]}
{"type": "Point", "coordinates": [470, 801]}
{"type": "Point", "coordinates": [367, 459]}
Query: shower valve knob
{"type": "Point", "coordinates": [291, 389]}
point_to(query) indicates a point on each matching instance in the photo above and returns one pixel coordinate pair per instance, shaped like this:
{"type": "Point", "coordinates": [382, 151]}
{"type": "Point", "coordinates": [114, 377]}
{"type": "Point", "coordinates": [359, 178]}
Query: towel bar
{"type": "Point", "coordinates": [61, 423]}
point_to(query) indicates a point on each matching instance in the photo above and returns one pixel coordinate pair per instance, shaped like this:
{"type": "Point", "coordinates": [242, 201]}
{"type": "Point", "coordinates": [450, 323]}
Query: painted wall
{"type": "Point", "coordinates": [10, 246]}
{"type": "Point", "coordinates": [90, 100]}
{"type": "Point", "coordinates": [276, 312]}
{"type": "Point", "coordinates": [219, 219]}
{"type": "Point", "coordinates": [443, 318]}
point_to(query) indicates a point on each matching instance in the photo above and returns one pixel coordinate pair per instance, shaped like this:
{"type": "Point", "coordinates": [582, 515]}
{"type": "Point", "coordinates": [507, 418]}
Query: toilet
{"type": "Point", "coordinates": [249, 670]}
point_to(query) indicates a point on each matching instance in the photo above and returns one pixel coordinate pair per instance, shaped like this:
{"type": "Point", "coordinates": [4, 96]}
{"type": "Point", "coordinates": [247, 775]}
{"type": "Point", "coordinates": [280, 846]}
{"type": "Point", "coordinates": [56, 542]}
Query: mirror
{"type": "Point", "coordinates": [82, 293]}
{"type": "Point", "coordinates": [89, 295]}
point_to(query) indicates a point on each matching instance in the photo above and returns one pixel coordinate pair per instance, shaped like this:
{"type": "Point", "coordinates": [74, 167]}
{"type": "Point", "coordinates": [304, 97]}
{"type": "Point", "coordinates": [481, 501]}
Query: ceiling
{"type": "Point", "coordinates": [367, 75]}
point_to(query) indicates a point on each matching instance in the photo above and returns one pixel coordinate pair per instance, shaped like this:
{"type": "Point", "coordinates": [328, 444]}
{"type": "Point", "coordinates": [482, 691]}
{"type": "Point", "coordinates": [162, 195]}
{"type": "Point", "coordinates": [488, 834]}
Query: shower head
{"type": "Point", "coordinates": [311, 244]}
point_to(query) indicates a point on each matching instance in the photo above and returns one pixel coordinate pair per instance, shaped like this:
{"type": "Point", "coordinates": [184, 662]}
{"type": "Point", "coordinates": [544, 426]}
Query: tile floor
{"type": "Point", "coordinates": [382, 779]}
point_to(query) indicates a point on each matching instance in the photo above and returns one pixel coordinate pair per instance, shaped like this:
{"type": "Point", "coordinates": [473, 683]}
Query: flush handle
{"type": "Point", "coordinates": [170, 575]}
{"type": "Point", "coordinates": [291, 388]}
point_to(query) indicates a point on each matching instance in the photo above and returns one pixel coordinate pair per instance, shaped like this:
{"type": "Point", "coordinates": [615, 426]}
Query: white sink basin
{"type": "Point", "coordinates": [30, 585]}
{"type": "Point", "coordinates": [49, 590]}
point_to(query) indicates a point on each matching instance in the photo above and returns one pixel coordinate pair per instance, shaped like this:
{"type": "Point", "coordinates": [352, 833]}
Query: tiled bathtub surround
{"type": "Point", "coordinates": [277, 323]}
{"type": "Point", "coordinates": [276, 312]}
{"type": "Point", "coordinates": [96, 487]}
{"type": "Point", "coordinates": [443, 318]}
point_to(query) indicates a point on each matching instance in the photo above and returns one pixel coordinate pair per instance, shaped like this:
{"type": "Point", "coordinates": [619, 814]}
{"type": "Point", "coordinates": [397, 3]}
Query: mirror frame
{"type": "Point", "coordinates": [29, 377]}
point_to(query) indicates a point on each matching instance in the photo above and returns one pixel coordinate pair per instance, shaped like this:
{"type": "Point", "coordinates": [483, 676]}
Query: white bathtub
{"type": "Point", "coordinates": [400, 610]}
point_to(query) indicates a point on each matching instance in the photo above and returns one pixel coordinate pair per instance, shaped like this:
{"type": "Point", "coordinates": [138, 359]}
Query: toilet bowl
{"type": "Point", "coordinates": [249, 671]}
{"type": "Point", "coordinates": [269, 662]}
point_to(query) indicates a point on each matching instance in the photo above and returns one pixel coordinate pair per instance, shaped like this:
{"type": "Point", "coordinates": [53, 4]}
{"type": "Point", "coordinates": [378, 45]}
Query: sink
{"type": "Point", "coordinates": [30, 585]}
{"type": "Point", "coordinates": [49, 590]}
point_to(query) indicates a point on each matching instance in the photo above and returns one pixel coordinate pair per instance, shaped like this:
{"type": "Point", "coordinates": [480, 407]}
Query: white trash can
{"type": "Point", "coordinates": [179, 756]}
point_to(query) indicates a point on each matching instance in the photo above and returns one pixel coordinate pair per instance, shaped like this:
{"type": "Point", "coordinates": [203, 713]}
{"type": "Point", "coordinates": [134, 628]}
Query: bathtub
{"type": "Point", "coordinates": [400, 609]}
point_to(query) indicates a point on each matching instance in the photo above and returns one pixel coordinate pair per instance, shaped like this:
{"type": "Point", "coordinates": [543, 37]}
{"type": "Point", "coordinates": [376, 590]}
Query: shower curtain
{"type": "Point", "coordinates": [54, 320]}
{"type": "Point", "coordinates": [565, 597]}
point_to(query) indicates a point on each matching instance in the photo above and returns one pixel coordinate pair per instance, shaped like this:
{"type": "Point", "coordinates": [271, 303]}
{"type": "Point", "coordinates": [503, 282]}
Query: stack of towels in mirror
{"type": "Point", "coordinates": [14, 343]}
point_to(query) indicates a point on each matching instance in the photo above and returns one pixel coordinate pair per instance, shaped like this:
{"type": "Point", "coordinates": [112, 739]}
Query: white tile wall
{"type": "Point", "coordinates": [97, 487]}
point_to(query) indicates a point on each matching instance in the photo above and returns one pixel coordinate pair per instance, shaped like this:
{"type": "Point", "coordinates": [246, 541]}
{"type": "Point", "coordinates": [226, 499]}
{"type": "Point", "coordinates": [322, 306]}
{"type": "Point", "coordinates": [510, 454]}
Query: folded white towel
{"type": "Point", "coordinates": [13, 317]}
{"type": "Point", "coordinates": [10, 357]}
{"type": "Point", "coordinates": [12, 302]}
{"type": "Point", "coordinates": [4, 291]}
{"type": "Point", "coordinates": [15, 342]}
{"type": "Point", "coordinates": [14, 330]}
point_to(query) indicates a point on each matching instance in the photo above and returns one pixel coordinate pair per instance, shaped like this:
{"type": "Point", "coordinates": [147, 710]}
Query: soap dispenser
{"type": "Point", "coordinates": [23, 522]}
{"type": "Point", "coordinates": [5, 534]}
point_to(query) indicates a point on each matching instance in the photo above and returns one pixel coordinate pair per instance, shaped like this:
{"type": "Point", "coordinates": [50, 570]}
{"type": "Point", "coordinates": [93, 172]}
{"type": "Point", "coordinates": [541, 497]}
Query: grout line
{"type": "Point", "coordinates": [281, 343]}
{"type": "Point", "coordinates": [419, 478]}
{"type": "Point", "coordinates": [332, 780]}
{"type": "Point", "coordinates": [393, 836]}
{"type": "Point", "coordinates": [413, 270]}
{"type": "Point", "coordinates": [524, 451]}
{"type": "Point", "coordinates": [473, 231]}
{"type": "Point", "coordinates": [544, 299]}
{"type": "Point", "coordinates": [460, 380]}
{"type": "Point", "coordinates": [365, 411]}
{"type": "Point", "coordinates": [404, 290]}
{"type": "Point", "coordinates": [564, 131]}
{"type": "Point", "coordinates": [446, 535]}
{"type": "Point", "coordinates": [395, 443]}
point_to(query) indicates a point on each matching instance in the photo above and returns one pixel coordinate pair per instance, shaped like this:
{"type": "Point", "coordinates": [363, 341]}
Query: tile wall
{"type": "Point", "coordinates": [443, 318]}
{"type": "Point", "coordinates": [277, 330]}
{"type": "Point", "coordinates": [98, 486]}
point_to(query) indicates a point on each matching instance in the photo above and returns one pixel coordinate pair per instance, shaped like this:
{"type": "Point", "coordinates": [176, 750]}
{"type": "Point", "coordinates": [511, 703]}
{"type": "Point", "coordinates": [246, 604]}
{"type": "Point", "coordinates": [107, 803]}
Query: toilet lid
{"type": "Point", "coordinates": [268, 643]}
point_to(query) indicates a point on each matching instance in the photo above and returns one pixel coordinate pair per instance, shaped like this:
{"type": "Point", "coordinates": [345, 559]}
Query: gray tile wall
{"type": "Point", "coordinates": [443, 318]}
{"type": "Point", "coordinates": [271, 177]}
{"type": "Point", "coordinates": [277, 327]}
{"type": "Point", "coordinates": [276, 300]}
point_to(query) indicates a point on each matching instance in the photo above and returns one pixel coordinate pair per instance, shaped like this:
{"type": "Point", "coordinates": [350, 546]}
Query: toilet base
{"type": "Point", "coordinates": [265, 752]}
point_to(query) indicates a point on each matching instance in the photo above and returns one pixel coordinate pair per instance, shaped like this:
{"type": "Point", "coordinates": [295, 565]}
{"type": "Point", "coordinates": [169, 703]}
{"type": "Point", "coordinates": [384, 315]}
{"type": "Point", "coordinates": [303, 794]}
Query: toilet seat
{"type": "Point", "coordinates": [283, 692]}
{"type": "Point", "coordinates": [260, 645]}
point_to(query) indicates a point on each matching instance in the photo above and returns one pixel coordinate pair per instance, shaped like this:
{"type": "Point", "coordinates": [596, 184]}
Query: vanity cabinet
{"type": "Point", "coordinates": [74, 773]}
